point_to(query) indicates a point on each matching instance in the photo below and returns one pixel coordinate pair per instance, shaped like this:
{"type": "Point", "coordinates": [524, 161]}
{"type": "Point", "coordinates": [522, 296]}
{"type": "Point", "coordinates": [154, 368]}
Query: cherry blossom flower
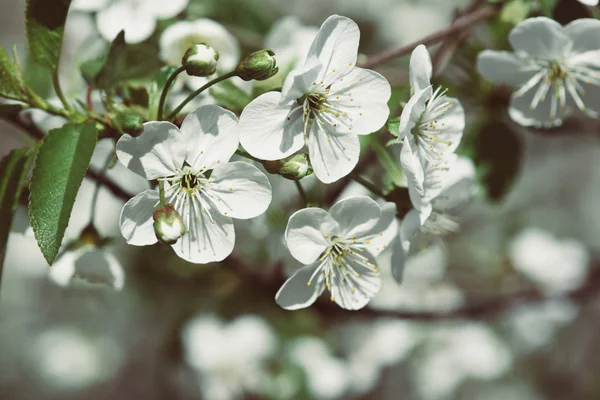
{"type": "Point", "coordinates": [554, 67]}
{"type": "Point", "coordinates": [589, 2]}
{"type": "Point", "coordinates": [338, 249]}
{"type": "Point", "coordinates": [204, 188]}
{"type": "Point", "coordinates": [325, 104]}
{"type": "Point", "coordinates": [291, 41]}
{"type": "Point", "coordinates": [137, 17]}
{"type": "Point", "coordinates": [431, 124]}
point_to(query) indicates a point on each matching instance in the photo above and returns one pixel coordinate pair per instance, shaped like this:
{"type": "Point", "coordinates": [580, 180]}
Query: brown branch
{"type": "Point", "coordinates": [460, 24]}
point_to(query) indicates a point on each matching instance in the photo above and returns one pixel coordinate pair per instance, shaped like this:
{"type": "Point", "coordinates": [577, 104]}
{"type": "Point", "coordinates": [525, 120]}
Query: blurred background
{"type": "Point", "coordinates": [506, 308]}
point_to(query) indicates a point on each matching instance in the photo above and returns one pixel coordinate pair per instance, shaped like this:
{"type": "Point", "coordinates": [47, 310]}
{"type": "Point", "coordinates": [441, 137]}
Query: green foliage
{"type": "Point", "coordinates": [390, 165]}
{"type": "Point", "coordinates": [59, 169]}
{"type": "Point", "coordinates": [515, 11]}
{"type": "Point", "coordinates": [11, 78]}
{"type": "Point", "coordinates": [13, 178]}
{"type": "Point", "coordinates": [393, 126]}
{"type": "Point", "coordinates": [156, 88]}
{"type": "Point", "coordinates": [230, 96]}
{"type": "Point", "coordinates": [45, 25]}
{"type": "Point", "coordinates": [547, 6]}
{"type": "Point", "coordinates": [123, 62]}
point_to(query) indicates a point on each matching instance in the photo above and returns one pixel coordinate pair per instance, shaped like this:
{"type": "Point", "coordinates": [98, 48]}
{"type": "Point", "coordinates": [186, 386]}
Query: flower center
{"type": "Point", "coordinates": [189, 180]}
{"type": "Point", "coordinates": [556, 74]}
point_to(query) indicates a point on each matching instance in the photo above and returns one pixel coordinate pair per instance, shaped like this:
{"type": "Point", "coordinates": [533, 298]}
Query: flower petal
{"type": "Point", "coordinates": [299, 80]}
{"type": "Point", "coordinates": [162, 9]}
{"type": "Point", "coordinates": [382, 234]}
{"type": "Point", "coordinates": [62, 270]}
{"type": "Point", "coordinates": [158, 152]}
{"type": "Point", "coordinates": [99, 266]}
{"type": "Point", "coordinates": [296, 294]}
{"type": "Point", "coordinates": [138, 26]}
{"type": "Point", "coordinates": [211, 136]}
{"type": "Point", "coordinates": [244, 191]}
{"type": "Point", "coordinates": [420, 69]}
{"type": "Point", "coordinates": [412, 111]}
{"type": "Point", "coordinates": [412, 167]}
{"type": "Point", "coordinates": [540, 37]}
{"type": "Point", "coordinates": [521, 112]}
{"type": "Point", "coordinates": [271, 131]}
{"type": "Point", "coordinates": [336, 48]}
{"type": "Point", "coordinates": [591, 98]}
{"type": "Point", "coordinates": [355, 215]}
{"type": "Point", "coordinates": [585, 34]}
{"type": "Point", "coordinates": [503, 67]}
{"type": "Point", "coordinates": [305, 233]}
{"type": "Point", "coordinates": [210, 236]}
{"type": "Point", "coordinates": [354, 291]}
{"type": "Point", "coordinates": [332, 155]}
{"type": "Point", "coordinates": [363, 97]}
{"type": "Point", "coordinates": [136, 219]}
{"type": "Point", "coordinates": [411, 225]}
{"type": "Point", "coordinates": [398, 259]}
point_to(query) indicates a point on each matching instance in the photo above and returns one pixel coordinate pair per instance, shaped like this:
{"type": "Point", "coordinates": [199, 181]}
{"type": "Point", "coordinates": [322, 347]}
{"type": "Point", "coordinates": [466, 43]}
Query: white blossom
{"type": "Point", "coordinates": [325, 104]}
{"type": "Point", "coordinates": [590, 3]}
{"type": "Point", "coordinates": [291, 41]}
{"type": "Point", "coordinates": [182, 158]}
{"type": "Point", "coordinates": [338, 249]}
{"type": "Point", "coordinates": [555, 68]}
{"type": "Point", "coordinates": [431, 124]}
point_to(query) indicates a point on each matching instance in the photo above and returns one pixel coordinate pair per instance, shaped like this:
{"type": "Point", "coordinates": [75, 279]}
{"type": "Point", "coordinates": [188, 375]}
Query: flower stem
{"type": "Point", "coordinates": [248, 156]}
{"type": "Point", "coordinates": [197, 92]}
{"type": "Point", "coordinates": [59, 92]}
{"type": "Point", "coordinates": [374, 189]}
{"type": "Point", "coordinates": [165, 91]}
{"type": "Point", "coordinates": [161, 193]}
{"type": "Point", "coordinates": [302, 192]}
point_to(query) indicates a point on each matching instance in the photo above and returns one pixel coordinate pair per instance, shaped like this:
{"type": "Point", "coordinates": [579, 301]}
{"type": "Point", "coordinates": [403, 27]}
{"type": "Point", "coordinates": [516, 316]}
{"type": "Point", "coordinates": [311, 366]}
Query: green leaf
{"type": "Point", "coordinates": [230, 96]}
{"type": "Point", "coordinates": [515, 11]}
{"type": "Point", "coordinates": [59, 169]}
{"type": "Point", "coordinates": [45, 26]}
{"type": "Point", "coordinates": [390, 165]}
{"type": "Point", "coordinates": [14, 168]}
{"type": "Point", "coordinates": [393, 126]}
{"type": "Point", "coordinates": [11, 79]}
{"type": "Point", "coordinates": [122, 63]}
{"type": "Point", "coordinates": [547, 6]}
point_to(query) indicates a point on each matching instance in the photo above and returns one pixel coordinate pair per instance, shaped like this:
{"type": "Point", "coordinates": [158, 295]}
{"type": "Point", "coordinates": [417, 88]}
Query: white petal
{"type": "Point", "coordinates": [540, 37]}
{"type": "Point", "coordinates": [244, 191]}
{"type": "Point", "coordinates": [165, 9]}
{"type": "Point", "coordinates": [398, 259]}
{"type": "Point", "coordinates": [412, 167]}
{"type": "Point", "coordinates": [174, 42]}
{"type": "Point", "coordinates": [591, 99]}
{"type": "Point", "coordinates": [305, 234]}
{"type": "Point", "coordinates": [585, 34]}
{"type": "Point", "coordinates": [158, 152]}
{"type": "Point", "coordinates": [411, 225]}
{"type": "Point", "coordinates": [589, 2]}
{"type": "Point", "coordinates": [336, 48]}
{"type": "Point", "coordinates": [332, 155]}
{"type": "Point", "coordinates": [420, 68]}
{"type": "Point", "coordinates": [88, 5]}
{"type": "Point", "coordinates": [521, 112]}
{"type": "Point", "coordinates": [355, 215]}
{"type": "Point", "coordinates": [365, 286]}
{"type": "Point", "coordinates": [299, 81]}
{"type": "Point", "coordinates": [382, 234]}
{"type": "Point", "coordinates": [271, 131]}
{"type": "Point", "coordinates": [119, 16]}
{"type": "Point", "coordinates": [211, 136]}
{"type": "Point", "coordinates": [503, 67]}
{"type": "Point", "coordinates": [136, 221]}
{"type": "Point", "coordinates": [296, 293]}
{"type": "Point", "coordinates": [412, 111]}
{"type": "Point", "coordinates": [210, 236]}
{"type": "Point", "coordinates": [62, 270]}
{"type": "Point", "coordinates": [99, 266]}
{"type": "Point", "coordinates": [362, 96]}
{"type": "Point", "coordinates": [450, 126]}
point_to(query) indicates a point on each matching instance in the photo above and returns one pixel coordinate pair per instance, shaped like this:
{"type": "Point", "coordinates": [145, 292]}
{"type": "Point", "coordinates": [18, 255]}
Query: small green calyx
{"type": "Point", "coordinates": [294, 168]}
{"type": "Point", "coordinates": [200, 60]}
{"type": "Point", "coordinates": [260, 65]}
{"type": "Point", "coordinates": [168, 225]}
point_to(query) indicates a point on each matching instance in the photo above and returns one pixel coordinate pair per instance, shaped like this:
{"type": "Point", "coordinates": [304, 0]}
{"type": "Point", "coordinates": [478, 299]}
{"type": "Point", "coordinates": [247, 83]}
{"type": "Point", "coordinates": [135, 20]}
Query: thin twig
{"type": "Point", "coordinates": [302, 192]}
{"type": "Point", "coordinates": [462, 23]}
{"type": "Point", "coordinates": [371, 186]}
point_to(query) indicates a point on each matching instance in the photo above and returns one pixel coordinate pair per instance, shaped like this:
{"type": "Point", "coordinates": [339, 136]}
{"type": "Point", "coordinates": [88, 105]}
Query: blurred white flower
{"type": "Point", "coordinates": [589, 2]}
{"type": "Point", "coordinates": [326, 102]}
{"type": "Point", "coordinates": [137, 17]}
{"type": "Point", "coordinates": [458, 352]}
{"type": "Point", "coordinates": [556, 68]}
{"type": "Point", "coordinates": [290, 40]}
{"type": "Point", "coordinates": [338, 249]}
{"type": "Point", "coordinates": [327, 376]}
{"type": "Point", "coordinates": [68, 360]}
{"type": "Point", "coordinates": [230, 358]}
{"type": "Point", "coordinates": [555, 265]}
{"type": "Point", "coordinates": [535, 325]}
{"type": "Point", "coordinates": [182, 35]}
{"type": "Point", "coordinates": [181, 158]}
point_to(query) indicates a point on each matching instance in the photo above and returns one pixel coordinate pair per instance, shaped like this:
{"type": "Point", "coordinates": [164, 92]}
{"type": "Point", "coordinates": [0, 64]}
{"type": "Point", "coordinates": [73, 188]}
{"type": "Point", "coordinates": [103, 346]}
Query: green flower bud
{"type": "Point", "coordinates": [200, 60]}
{"type": "Point", "coordinates": [294, 168]}
{"type": "Point", "coordinates": [168, 225]}
{"type": "Point", "coordinates": [259, 66]}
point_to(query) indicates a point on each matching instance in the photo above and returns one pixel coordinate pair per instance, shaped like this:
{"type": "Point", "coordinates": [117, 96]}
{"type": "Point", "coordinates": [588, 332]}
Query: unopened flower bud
{"type": "Point", "coordinates": [168, 225]}
{"type": "Point", "coordinates": [259, 66]}
{"type": "Point", "coordinates": [200, 60]}
{"type": "Point", "coordinates": [294, 168]}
